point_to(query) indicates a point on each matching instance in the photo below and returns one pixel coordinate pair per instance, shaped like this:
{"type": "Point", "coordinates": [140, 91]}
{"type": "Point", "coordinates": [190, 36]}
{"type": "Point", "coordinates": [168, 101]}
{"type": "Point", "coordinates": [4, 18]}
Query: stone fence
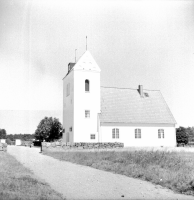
{"type": "Point", "coordinates": [80, 146]}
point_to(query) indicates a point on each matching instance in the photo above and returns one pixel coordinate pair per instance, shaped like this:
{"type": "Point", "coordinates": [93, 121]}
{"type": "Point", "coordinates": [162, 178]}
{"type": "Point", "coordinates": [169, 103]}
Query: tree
{"type": "Point", "coordinates": [49, 129]}
{"type": "Point", "coordinates": [11, 137]}
{"type": "Point", "coordinates": [3, 134]}
{"type": "Point", "coordinates": [8, 141]}
{"type": "Point", "coordinates": [190, 132]}
{"type": "Point", "coordinates": [181, 135]}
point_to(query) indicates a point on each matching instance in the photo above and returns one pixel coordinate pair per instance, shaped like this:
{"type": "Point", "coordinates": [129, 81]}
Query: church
{"type": "Point", "coordinates": [91, 113]}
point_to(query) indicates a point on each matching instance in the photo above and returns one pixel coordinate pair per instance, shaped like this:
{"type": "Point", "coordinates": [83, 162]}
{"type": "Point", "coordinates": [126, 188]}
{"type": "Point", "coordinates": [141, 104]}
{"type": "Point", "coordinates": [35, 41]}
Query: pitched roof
{"type": "Point", "coordinates": [120, 105]}
{"type": "Point", "coordinates": [85, 62]}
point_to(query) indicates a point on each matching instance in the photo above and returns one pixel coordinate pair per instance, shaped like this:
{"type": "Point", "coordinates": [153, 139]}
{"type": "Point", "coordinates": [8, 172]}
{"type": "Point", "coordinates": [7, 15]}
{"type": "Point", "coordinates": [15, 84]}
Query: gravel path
{"type": "Point", "coordinates": [82, 182]}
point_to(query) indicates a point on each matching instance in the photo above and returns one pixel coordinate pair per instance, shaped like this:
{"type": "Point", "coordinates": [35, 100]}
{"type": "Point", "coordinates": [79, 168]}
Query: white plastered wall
{"type": "Point", "coordinates": [149, 136]}
{"type": "Point", "coordinates": [83, 127]}
{"type": "Point", "coordinates": [68, 107]}
{"type": "Point", "coordinates": [2, 140]}
{"type": "Point", "coordinates": [18, 142]}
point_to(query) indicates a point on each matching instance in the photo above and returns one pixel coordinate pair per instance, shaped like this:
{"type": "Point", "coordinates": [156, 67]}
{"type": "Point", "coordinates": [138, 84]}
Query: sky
{"type": "Point", "coordinates": [133, 42]}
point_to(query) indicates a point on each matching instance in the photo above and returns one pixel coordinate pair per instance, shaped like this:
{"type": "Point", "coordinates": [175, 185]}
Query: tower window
{"type": "Point", "coordinates": [92, 136]}
{"type": "Point", "coordinates": [87, 114]}
{"type": "Point", "coordinates": [87, 85]}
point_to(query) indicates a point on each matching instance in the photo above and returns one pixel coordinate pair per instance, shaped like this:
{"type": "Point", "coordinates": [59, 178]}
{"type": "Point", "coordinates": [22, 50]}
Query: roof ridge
{"type": "Point", "coordinates": [127, 88]}
{"type": "Point", "coordinates": [68, 72]}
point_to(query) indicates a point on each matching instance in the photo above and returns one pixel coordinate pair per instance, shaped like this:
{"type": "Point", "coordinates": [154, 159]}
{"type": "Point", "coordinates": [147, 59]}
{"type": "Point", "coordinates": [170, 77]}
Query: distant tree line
{"type": "Point", "coordinates": [24, 137]}
{"type": "Point", "coordinates": [12, 137]}
{"type": "Point", "coordinates": [49, 129]}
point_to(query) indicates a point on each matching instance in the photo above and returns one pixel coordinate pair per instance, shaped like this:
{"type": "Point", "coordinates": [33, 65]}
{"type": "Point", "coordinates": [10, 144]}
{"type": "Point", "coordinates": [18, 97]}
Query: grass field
{"type": "Point", "coordinates": [18, 183]}
{"type": "Point", "coordinates": [173, 170]}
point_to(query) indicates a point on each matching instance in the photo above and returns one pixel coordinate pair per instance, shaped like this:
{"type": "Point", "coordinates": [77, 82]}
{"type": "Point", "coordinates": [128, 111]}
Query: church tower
{"type": "Point", "coordinates": [81, 100]}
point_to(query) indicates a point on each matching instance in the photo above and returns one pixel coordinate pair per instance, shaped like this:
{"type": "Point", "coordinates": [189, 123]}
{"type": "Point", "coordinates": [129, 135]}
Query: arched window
{"type": "Point", "coordinates": [87, 85]}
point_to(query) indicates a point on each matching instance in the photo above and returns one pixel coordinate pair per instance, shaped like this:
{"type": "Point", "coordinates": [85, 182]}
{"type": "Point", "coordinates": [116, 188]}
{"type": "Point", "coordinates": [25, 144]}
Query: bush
{"type": "Point", "coordinates": [182, 136]}
{"type": "Point", "coordinates": [8, 141]}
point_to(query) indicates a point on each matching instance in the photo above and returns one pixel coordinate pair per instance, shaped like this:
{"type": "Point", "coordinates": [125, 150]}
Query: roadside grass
{"type": "Point", "coordinates": [18, 183]}
{"type": "Point", "coordinates": [173, 170]}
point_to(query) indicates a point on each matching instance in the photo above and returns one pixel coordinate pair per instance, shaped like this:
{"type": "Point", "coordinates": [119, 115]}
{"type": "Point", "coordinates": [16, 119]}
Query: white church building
{"type": "Point", "coordinates": [91, 113]}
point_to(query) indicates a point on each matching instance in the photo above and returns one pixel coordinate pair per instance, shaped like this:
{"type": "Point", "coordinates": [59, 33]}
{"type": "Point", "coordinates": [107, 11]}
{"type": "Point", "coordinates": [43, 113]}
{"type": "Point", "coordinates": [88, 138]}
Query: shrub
{"type": "Point", "coordinates": [8, 141]}
{"type": "Point", "coordinates": [182, 136]}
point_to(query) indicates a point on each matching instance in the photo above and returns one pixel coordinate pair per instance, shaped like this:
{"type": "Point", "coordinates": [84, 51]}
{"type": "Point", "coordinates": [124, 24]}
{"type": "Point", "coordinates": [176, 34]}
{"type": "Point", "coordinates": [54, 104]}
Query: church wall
{"type": "Point", "coordinates": [83, 127]}
{"type": "Point", "coordinates": [68, 107]}
{"type": "Point", "coordinates": [149, 136]}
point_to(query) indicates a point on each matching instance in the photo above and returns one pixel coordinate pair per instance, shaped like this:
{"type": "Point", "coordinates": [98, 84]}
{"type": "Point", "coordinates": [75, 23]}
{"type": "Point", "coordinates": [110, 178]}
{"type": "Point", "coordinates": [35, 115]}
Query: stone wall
{"type": "Point", "coordinates": [80, 146]}
{"type": "Point", "coordinates": [27, 143]}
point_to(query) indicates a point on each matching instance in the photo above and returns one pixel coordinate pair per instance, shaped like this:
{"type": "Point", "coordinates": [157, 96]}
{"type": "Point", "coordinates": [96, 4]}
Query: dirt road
{"type": "Point", "coordinates": [81, 182]}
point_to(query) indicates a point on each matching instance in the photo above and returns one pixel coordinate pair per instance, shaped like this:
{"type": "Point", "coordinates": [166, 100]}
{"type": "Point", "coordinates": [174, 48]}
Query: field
{"type": "Point", "coordinates": [173, 170]}
{"type": "Point", "coordinates": [18, 183]}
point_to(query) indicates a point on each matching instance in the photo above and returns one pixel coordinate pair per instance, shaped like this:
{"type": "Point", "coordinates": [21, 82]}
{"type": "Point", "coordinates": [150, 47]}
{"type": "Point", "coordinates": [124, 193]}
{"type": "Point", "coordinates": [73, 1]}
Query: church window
{"type": "Point", "coordinates": [137, 133]}
{"type": "Point", "coordinates": [160, 133]}
{"type": "Point", "coordinates": [87, 113]}
{"type": "Point", "coordinates": [87, 85]}
{"type": "Point", "coordinates": [115, 133]}
{"type": "Point", "coordinates": [92, 136]}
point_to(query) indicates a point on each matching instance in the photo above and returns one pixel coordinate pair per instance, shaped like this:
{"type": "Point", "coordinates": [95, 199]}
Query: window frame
{"type": "Point", "coordinates": [161, 133]}
{"type": "Point", "coordinates": [87, 87]}
{"type": "Point", "coordinates": [138, 133]}
{"type": "Point", "coordinates": [115, 133]}
{"type": "Point", "coordinates": [92, 136]}
{"type": "Point", "coordinates": [87, 113]}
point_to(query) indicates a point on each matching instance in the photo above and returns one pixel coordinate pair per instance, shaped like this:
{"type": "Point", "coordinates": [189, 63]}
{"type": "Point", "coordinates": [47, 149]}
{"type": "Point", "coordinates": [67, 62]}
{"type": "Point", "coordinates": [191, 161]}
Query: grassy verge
{"type": "Point", "coordinates": [173, 170]}
{"type": "Point", "coordinates": [18, 183]}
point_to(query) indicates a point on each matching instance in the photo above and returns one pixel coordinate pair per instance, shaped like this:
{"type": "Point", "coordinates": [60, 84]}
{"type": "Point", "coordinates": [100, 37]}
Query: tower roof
{"type": "Point", "coordinates": [86, 62]}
